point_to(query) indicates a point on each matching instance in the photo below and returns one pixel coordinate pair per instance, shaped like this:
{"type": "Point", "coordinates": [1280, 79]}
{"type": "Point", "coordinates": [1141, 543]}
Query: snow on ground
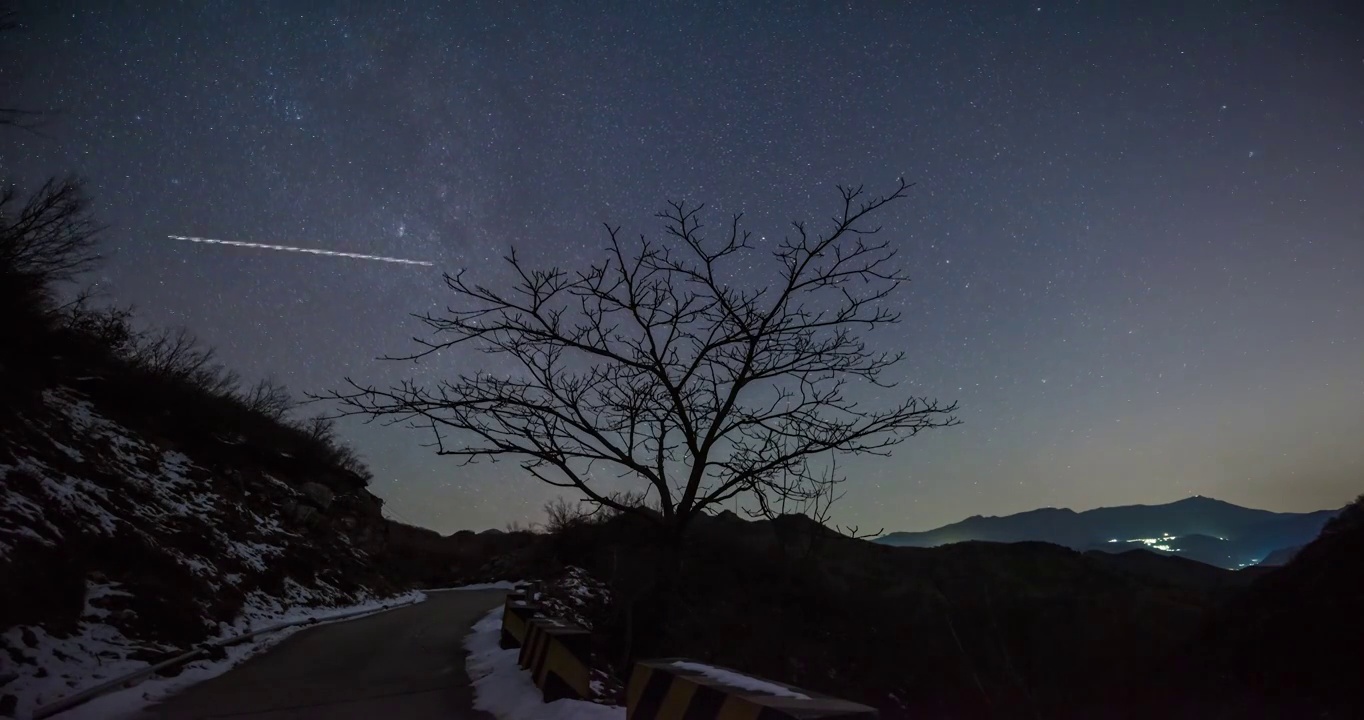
{"type": "Point", "coordinates": [575, 596]}
{"type": "Point", "coordinates": [739, 680]}
{"type": "Point", "coordinates": [116, 485]}
{"type": "Point", "coordinates": [581, 586]}
{"type": "Point", "coordinates": [69, 658]}
{"type": "Point", "coordinates": [499, 585]}
{"type": "Point", "coordinates": [502, 688]}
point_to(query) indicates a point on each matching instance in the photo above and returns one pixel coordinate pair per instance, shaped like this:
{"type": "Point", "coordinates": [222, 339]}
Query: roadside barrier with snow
{"type": "Point", "coordinates": [516, 617]}
{"type": "Point", "coordinates": [504, 690]}
{"type": "Point", "coordinates": [557, 654]}
{"type": "Point", "coordinates": [677, 688]}
{"type": "Point", "coordinates": [555, 651]}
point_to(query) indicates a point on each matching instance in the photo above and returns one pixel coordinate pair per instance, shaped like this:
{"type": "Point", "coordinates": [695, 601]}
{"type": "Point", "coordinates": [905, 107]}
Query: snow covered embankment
{"type": "Point", "coordinates": [67, 658]}
{"type": "Point", "coordinates": [502, 688]}
{"type": "Point", "coordinates": [119, 550]}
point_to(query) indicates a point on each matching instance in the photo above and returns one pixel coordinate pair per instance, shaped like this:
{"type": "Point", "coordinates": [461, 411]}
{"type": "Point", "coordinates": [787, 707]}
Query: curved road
{"type": "Point", "coordinates": [404, 663]}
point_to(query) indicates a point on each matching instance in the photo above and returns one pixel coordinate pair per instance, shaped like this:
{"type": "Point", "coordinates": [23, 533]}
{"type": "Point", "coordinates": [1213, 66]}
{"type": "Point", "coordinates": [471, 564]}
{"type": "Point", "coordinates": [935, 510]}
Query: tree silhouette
{"type": "Point", "coordinates": [15, 117]}
{"type": "Point", "coordinates": [671, 363]}
{"type": "Point", "coordinates": [51, 235]}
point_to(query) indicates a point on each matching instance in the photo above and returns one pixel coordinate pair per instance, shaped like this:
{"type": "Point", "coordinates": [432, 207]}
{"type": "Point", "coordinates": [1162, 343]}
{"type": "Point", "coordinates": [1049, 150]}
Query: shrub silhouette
{"type": "Point", "coordinates": [48, 239]}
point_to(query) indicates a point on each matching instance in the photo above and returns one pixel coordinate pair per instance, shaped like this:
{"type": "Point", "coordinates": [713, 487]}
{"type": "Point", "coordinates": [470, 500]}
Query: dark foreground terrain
{"type": "Point", "coordinates": [986, 630]}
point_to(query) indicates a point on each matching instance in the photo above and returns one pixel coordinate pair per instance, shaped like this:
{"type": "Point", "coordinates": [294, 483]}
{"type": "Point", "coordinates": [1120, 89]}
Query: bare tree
{"type": "Point", "coordinates": [50, 236]}
{"type": "Point", "coordinates": [176, 353]}
{"type": "Point", "coordinates": [673, 363]}
{"type": "Point", "coordinates": [269, 398]}
{"type": "Point", "coordinates": [47, 237]}
{"type": "Point", "coordinates": [111, 326]}
{"type": "Point", "coordinates": [15, 117]}
{"type": "Point", "coordinates": [29, 120]}
{"type": "Point", "coordinates": [563, 514]}
{"type": "Point", "coordinates": [811, 493]}
{"type": "Point", "coordinates": [320, 428]}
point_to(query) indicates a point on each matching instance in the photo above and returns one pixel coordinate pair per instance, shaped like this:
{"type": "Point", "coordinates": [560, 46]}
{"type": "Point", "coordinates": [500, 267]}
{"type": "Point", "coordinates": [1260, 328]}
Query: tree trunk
{"type": "Point", "coordinates": [653, 618]}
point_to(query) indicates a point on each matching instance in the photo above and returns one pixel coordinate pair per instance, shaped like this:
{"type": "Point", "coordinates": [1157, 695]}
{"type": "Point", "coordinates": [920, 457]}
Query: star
{"type": "Point", "coordinates": [1063, 201]}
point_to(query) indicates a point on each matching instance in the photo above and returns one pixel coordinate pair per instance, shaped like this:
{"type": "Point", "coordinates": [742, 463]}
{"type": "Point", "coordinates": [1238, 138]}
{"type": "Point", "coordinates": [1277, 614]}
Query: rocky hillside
{"type": "Point", "coordinates": [122, 542]}
{"type": "Point", "coordinates": [150, 500]}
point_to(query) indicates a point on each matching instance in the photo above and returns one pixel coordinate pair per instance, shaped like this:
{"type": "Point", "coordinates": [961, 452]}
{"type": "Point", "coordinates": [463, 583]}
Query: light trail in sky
{"type": "Point", "coordinates": [288, 248]}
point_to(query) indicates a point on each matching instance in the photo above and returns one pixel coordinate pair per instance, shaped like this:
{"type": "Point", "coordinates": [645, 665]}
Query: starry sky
{"type": "Point", "coordinates": [1136, 239]}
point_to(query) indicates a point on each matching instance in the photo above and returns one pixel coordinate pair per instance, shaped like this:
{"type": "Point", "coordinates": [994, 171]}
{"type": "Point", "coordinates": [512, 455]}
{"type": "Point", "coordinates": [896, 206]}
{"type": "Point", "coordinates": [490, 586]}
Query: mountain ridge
{"type": "Point", "coordinates": [1216, 532]}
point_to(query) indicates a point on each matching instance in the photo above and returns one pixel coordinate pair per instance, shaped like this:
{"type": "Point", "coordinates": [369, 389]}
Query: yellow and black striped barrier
{"type": "Point", "coordinates": [556, 654]}
{"type": "Point", "coordinates": [516, 617]}
{"type": "Point", "coordinates": [678, 689]}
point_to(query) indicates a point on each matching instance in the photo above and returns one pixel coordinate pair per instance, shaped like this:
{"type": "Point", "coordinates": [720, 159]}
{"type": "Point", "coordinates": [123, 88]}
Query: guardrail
{"type": "Point", "coordinates": [517, 613]}
{"type": "Point", "coordinates": [557, 653]}
{"type": "Point", "coordinates": [681, 688]}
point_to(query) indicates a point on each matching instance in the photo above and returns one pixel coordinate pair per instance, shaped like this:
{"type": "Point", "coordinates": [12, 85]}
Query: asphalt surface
{"type": "Point", "coordinates": [398, 665]}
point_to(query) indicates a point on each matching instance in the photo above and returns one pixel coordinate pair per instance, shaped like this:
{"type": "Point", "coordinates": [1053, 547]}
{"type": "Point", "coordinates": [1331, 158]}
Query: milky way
{"type": "Point", "coordinates": [1136, 238]}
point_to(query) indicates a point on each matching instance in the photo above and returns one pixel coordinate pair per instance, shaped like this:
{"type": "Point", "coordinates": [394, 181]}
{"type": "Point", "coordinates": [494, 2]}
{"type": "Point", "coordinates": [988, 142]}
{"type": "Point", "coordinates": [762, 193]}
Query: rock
{"type": "Point", "coordinates": [320, 494]}
{"type": "Point", "coordinates": [299, 512]}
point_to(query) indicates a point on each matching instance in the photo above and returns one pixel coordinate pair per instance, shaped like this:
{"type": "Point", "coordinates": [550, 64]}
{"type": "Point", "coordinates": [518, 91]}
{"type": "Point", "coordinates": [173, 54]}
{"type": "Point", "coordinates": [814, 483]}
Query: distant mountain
{"type": "Point", "coordinates": [1198, 528]}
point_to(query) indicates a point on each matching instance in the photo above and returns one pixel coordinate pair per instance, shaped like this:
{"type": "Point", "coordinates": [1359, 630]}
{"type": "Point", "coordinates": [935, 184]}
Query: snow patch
{"type": "Point", "coordinates": [110, 481]}
{"type": "Point", "coordinates": [739, 680]}
{"type": "Point", "coordinates": [98, 591]}
{"type": "Point", "coordinates": [100, 653]}
{"type": "Point", "coordinates": [15, 507]}
{"type": "Point", "coordinates": [499, 585]}
{"type": "Point", "coordinates": [502, 688]}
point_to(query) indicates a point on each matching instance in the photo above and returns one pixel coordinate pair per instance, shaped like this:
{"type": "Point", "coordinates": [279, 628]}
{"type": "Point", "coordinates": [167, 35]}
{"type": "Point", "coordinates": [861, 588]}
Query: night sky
{"type": "Point", "coordinates": [1136, 239]}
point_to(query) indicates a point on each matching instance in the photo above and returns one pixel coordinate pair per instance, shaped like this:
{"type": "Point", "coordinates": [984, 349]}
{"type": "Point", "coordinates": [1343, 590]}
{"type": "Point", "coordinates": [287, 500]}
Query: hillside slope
{"type": "Point", "coordinates": [969, 630]}
{"type": "Point", "coordinates": [1290, 646]}
{"type": "Point", "coordinates": [128, 535]}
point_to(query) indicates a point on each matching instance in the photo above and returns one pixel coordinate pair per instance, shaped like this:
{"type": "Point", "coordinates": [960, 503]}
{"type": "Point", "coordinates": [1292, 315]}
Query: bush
{"type": "Point", "coordinates": [45, 239]}
{"type": "Point", "coordinates": [51, 236]}
{"type": "Point", "coordinates": [563, 515]}
{"type": "Point", "coordinates": [48, 240]}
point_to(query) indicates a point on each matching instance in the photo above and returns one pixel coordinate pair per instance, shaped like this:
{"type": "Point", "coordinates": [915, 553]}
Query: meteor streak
{"type": "Point", "coordinates": [314, 251]}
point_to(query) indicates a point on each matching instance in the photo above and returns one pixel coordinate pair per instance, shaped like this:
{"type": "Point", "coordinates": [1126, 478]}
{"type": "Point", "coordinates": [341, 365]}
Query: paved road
{"type": "Point", "coordinates": [398, 665]}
